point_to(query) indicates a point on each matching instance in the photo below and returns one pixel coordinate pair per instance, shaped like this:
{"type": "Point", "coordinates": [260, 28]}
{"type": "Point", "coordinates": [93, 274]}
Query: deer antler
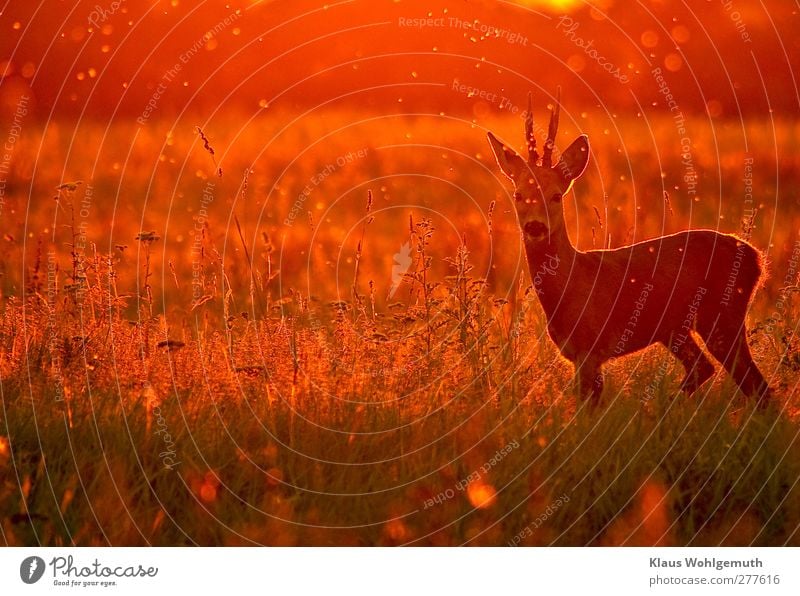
{"type": "Point", "coordinates": [530, 138]}
{"type": "Point", "coordinates": [547, 158]}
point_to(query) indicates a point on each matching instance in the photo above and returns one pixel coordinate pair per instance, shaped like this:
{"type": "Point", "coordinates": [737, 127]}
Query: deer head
{"type": "Point", "coordinates": [538, 184]}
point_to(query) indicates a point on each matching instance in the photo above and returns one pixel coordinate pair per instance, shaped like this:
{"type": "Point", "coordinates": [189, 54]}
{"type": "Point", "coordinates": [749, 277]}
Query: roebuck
{"type": "Point", "coordinates": [601, 304]}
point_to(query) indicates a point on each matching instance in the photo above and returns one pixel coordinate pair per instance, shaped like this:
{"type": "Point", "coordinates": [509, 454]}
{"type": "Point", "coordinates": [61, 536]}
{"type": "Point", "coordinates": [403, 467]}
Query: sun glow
{"type": "Point", "coordinates": [558, 6]}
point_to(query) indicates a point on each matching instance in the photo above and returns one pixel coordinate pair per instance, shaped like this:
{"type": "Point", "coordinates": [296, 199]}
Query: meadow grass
{"type": "Point", "coordinates": [321, 427]}
{"type": "Point", "coordinates": [282, 411]}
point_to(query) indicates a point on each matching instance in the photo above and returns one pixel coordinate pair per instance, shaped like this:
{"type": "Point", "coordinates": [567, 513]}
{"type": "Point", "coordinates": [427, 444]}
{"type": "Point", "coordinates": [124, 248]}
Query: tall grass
{"type": "Point", "coordinates": [265, 411]}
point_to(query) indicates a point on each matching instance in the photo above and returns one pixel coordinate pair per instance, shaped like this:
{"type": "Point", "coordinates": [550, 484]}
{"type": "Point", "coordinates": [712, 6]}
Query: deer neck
{"type": "Point", "coordinates": [550, 261]}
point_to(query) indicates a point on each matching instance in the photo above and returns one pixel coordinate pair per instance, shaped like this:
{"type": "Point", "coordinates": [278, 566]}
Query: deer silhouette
{"type": "Point", "coordinates": [603, 304]}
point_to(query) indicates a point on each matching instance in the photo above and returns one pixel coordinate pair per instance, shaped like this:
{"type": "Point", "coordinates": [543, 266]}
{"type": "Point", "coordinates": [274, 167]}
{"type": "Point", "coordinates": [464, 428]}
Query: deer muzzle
{"type": "Point", "coordinates": [535, 229]}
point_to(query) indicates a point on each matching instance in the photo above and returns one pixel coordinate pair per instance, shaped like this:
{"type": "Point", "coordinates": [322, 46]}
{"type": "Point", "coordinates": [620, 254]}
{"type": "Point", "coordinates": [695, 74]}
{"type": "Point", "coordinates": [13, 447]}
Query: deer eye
{"type": "Point", "coordinates": [517, 196]}
{"type": "Point", "coordinates": [556, 198]}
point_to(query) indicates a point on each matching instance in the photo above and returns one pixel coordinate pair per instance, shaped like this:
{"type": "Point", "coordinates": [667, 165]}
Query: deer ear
{"type": "Point", "coordinates": [508, 160]}
{"type": "Point", "coordinates": [574, 159]}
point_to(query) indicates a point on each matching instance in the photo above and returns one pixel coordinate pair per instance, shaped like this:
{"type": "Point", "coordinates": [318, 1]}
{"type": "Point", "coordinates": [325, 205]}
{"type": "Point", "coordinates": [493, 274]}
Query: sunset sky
{"type": "Point", "coordinates": [93, 59]}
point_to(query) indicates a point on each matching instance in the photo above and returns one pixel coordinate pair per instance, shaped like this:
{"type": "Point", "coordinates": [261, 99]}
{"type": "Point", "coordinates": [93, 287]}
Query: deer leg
{"type": "Point", "coordinates": [590, 382]}
{"type": "Point", "coordinates": [698, 368]}
{"type": "Point", "coordinates": [746, 374]}
{"type": "Point", "coordinates": [734, 354]}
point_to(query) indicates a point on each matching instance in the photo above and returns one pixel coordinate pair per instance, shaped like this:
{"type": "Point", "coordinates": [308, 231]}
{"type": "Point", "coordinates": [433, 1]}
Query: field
{"type": "Point", "coordinates": [325, 334]}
